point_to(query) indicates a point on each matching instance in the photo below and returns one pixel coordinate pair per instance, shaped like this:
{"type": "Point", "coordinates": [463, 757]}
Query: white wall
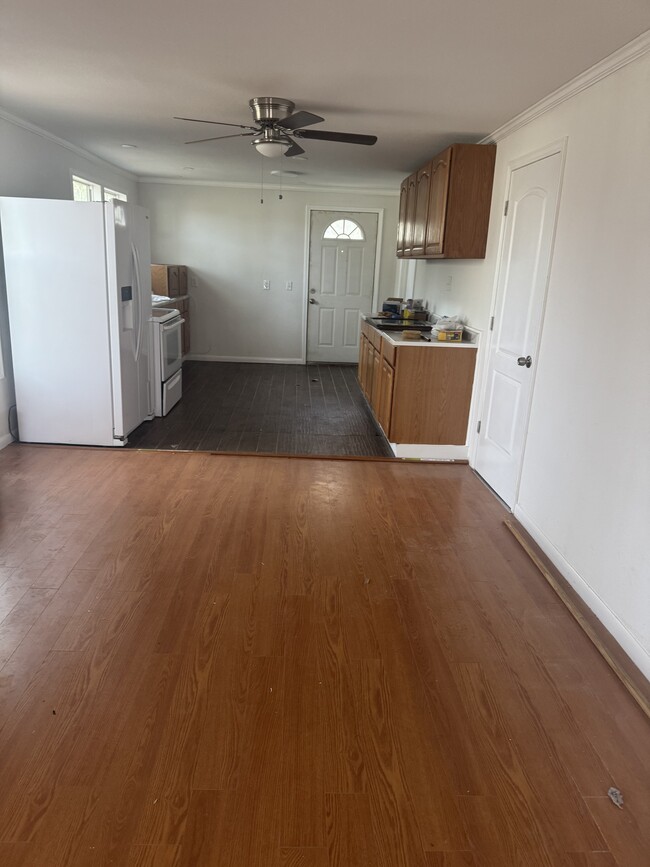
{"type": "Point", "coordinates": [34, 165]}
{"type": "Point", "coordinates": [232, 243]}
{"type": "Point", "coordinates": [585, 486]}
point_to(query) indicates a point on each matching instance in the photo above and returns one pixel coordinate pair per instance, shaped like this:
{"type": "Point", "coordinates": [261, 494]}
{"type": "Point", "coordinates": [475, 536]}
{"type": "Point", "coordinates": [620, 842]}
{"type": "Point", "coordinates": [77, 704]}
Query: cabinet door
{"type": "Point", "coordinates": [422, 189]}
{"type": "Point", "coordinates": [370, 355]}
{"type": "Point", "coordinates": [386, 400]}
{"type": "Point", "coordinates": [411, 196]}
{"type": "Point", "coordinates": [401, 225]}
{"type": "Point", "coordinates": [363, 362]}
{"type": "Point", "coordinates": [439, 190]}
{"type": "Point", "coordinates": [376, 381]}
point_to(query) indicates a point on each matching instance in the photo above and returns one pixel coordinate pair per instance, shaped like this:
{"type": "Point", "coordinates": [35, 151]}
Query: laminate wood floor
{"type": "Point", "coordinates": [229, 661]}
{"type": "Point", "coordinates": [317, 409]}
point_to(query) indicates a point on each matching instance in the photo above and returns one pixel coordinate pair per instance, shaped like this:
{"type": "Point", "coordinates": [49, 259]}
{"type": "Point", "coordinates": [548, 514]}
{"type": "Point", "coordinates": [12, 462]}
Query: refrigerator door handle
{"type": "Point", "coordinates": [136, 273]}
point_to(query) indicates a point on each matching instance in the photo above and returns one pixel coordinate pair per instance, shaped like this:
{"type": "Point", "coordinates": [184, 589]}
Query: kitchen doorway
{"type": "Point", "coordinates": [342, 275]}
{"type": "Point", "coordinates": [529, 229]}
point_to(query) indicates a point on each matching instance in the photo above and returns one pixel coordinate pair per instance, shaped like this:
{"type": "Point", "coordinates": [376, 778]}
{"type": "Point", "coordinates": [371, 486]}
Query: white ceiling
{"type": "Point", "coordinates": [417, 73]}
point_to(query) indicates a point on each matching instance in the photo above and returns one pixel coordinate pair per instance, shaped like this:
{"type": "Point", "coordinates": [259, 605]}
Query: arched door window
{"type": "Point", "coordinates": [344, 230]}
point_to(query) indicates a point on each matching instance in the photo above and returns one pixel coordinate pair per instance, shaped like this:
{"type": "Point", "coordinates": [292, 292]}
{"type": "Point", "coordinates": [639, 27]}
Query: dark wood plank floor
{"type": "Point", "coordinates": [271, 408]}
{"type": "Point", "coordinates": [214, 661]}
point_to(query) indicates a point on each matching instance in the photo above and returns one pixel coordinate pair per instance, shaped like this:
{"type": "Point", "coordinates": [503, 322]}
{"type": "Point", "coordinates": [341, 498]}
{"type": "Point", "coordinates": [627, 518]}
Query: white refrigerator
{"type": "Point", "coordinates": [79, 296]}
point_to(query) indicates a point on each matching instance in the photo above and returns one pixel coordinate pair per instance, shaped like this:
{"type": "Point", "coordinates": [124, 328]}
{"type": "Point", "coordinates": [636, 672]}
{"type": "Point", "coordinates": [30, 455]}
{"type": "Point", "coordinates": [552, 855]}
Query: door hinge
{"type": "Point", "coordinates": [478, 428]}
{"type": "Point", "coordinates": [505, 210]}
{"type": "Point", "coordinates": [492, 323]}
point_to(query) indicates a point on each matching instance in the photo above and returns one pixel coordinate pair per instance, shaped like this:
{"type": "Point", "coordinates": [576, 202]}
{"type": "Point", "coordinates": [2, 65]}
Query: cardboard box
{"type": "Point", "coordinates": [165, 280]}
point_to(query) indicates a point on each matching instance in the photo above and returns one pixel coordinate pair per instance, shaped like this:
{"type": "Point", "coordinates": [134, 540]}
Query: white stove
{"type": "Point", "coordinates": [167, 358]}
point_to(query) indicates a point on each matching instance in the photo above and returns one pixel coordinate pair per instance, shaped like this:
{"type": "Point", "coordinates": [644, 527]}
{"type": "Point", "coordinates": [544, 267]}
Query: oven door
{"type": "Point", "coordinates": [171, 351]}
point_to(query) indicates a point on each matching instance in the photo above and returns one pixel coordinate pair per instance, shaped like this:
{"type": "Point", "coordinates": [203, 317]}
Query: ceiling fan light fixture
{"type": "Point", "coordinates": [271, 148]}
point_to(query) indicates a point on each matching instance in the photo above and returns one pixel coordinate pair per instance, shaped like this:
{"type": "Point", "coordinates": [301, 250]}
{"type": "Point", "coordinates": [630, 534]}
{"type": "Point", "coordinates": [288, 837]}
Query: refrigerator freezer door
{"type": "Point", "coordinates": [55, 266]}
{"type": "Point", "coordinates": [129, 301]}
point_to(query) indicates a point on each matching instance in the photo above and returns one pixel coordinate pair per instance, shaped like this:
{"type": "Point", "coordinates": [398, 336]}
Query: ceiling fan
{"type": "Point", "coordinates": [277, 126]}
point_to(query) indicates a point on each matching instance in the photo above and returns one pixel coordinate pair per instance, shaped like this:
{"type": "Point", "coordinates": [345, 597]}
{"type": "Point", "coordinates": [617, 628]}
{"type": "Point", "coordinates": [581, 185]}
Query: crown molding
{"type": "Point", "coordinates": [627, 54]}
{"type": "Point", "coordinates": [76, 149]}
{"type": "Point", "coordinates": [285, 188]}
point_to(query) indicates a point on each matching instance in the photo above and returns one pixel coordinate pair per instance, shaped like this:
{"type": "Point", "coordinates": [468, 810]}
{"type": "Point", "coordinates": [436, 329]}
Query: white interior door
{"type": "Point", "coordinates": [521, 289]}
{"type": "Point", "coordinates": [342, 250]}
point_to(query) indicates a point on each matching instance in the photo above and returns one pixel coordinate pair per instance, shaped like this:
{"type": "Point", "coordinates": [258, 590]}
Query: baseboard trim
{"type": "Point", "coordinates": [625, 668]}
{"type": "Point", "coordinates": [237, 359]}
{"type": "Point", "coordinates": [5, 440]}
{"type": "Point", "coordinates": [415, 452]}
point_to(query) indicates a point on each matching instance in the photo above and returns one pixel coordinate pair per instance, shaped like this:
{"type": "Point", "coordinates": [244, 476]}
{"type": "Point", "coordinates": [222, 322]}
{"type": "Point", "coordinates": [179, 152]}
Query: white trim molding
{"type": "Point", "coordinates": [627, 54]}
{"type": "Point", "coordinates": [295, 188]}
{"type": "Point", "coordinates": [423, 452]}
{"type": "Point", "coordinates": [617, 629]}
{"type": "Point", "coordinates": [238, 359]}
{"type": "Point", "coordinates": [5, 440]}
{"type": "Point", "coordinates": [76, 149]}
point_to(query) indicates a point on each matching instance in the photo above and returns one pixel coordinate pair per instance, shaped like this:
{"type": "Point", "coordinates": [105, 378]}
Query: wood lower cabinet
{"type": "Point", "coordinates": [385, 407]}
{"type": "Point", "coordinates": [445, 205]}
{"type": "Point", "coordinates": [418, 394]}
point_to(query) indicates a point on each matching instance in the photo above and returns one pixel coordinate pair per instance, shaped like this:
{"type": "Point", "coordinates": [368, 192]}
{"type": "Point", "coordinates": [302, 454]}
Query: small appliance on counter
{"type": "Point", "coordinates": [392, 305]}
{"type": "Point", "coordinates": [395, 324]}
{"type": "Point", "coordinates": [167, 375]}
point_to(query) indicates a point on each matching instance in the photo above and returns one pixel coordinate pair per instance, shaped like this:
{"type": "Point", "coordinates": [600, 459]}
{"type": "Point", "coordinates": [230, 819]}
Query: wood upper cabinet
{"type": "Point", "coordinates": [421, 210]}
{"type": "Point", "coordinates": [438, 193]}
{"type": "Point", "coordinates": [447, 205]}
{"type": "Point", "coordinates": [411, 195]}
{"type": "Point", "coordinates": [401, 225]}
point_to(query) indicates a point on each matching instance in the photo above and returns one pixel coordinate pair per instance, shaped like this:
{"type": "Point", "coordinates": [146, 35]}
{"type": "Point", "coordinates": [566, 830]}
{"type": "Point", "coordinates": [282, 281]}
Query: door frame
{"type": "Point", "coordinates": [375, 283]}
{"type": "Point", "coordinates": [559, 146]}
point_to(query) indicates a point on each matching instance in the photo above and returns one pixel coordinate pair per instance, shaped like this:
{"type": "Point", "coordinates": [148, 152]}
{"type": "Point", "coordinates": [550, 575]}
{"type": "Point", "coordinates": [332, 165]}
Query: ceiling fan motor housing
{"type": "Point", "coordinates": [268, 110]}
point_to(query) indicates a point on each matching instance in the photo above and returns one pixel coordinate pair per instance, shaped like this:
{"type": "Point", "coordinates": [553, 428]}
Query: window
{"type": "Point", "coordinates": [344, 230]}
{"type": "Point", "coordinates": [89, 191]}
{"type": "Point", "coordinates": [85, 191]}
{"type": "Point", "coordinates": [113, 194]}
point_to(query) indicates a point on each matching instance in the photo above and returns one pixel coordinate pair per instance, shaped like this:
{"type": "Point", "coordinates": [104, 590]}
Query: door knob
{"type": "Point", "coordinates": [524, 362]}
{"type": "Point", "coordinates": [313, 301]}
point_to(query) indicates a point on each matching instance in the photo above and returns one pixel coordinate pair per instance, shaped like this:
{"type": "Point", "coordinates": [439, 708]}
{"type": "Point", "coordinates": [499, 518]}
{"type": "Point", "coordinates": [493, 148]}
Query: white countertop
{"type": "Point", "coordinates": [395, 338]}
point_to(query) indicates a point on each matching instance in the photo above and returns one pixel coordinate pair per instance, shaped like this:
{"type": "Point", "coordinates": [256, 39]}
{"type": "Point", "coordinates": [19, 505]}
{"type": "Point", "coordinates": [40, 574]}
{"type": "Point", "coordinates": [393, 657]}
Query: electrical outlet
{"type": "Point", "coordinates": [289, 285]}
{"type": "Point", "coordinates": [266, 284]}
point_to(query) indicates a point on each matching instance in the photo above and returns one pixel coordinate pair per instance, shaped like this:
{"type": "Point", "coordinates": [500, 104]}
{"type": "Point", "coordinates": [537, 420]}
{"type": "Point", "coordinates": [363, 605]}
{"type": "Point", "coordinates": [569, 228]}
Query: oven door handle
{"type": "Point", "coordinates": [175, 324]}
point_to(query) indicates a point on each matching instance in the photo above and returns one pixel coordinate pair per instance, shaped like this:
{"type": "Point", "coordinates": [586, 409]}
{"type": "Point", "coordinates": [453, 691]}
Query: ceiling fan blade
{"type": "Point", "coordinates": [294, 151]}
{"type": "Point", "coordinates": [219, 137]}
{"type": "Point", "coordinates": [300, 119]}
{"type": "Point", "coordinates": [219, 122]}
{"type": "Point", "coordinates": [324, 135]}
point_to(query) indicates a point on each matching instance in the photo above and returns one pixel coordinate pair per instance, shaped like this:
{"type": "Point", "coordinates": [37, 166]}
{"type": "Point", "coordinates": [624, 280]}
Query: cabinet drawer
{"type": "Point", "coordinates": [375, 338]}
{"type": "Point", "coordinates": [388, 351]}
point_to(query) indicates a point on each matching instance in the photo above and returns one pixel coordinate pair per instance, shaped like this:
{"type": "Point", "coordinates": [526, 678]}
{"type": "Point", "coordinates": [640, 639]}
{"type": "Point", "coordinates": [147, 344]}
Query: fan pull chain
{"type": "Point", "coordinates": [282, 158]}
{"type": "Point", "coordinates": [261, 179]}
